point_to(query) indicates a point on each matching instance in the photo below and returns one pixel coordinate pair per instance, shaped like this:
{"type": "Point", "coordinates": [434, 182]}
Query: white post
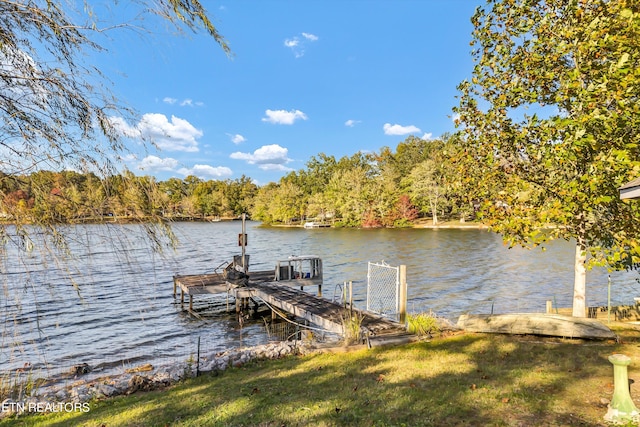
{"type": "Point", "coordinates": [403, 294]}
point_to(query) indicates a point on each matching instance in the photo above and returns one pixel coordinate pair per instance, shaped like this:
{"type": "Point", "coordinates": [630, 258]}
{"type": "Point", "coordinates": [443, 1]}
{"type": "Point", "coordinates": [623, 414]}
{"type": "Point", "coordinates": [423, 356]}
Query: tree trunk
{"type": "Point", "coordinates": [580, 282]}
{"type": "Point", "coordinates": [434, 211]}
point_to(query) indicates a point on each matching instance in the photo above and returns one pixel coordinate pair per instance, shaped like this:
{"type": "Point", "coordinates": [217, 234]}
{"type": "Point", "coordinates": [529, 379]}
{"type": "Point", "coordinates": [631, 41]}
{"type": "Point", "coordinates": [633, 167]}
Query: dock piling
{"type": "Point", "coordinates": [403, 294]}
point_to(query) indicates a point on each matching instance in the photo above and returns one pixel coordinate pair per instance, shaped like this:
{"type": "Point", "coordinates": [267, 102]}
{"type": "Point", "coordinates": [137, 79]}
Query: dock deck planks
{"type": "Point", "coordinates": [285, 296]}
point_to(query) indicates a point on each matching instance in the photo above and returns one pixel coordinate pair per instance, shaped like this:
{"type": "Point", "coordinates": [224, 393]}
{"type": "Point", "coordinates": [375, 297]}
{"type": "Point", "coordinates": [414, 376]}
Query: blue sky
{"type": "Point", "coordinates": [305, 77]}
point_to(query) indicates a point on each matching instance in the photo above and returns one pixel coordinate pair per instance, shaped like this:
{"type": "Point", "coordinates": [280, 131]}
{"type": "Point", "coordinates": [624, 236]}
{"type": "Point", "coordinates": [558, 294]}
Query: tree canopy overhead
{"type": "Point", "coordinates": [57, 110]}
{"type": "Point", "coordinates": [551, 124]}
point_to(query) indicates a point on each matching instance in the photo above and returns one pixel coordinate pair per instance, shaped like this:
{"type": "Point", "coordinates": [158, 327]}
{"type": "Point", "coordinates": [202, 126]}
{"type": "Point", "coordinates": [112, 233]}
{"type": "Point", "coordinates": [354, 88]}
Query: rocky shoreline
{"type": "Point", "coordinates": [142, 378]}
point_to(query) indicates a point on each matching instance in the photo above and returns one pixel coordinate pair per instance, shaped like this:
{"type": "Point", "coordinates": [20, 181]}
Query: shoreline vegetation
{"type": "Point", "coordinates": [448, 379]}
{"type": "Point", "coordinates": [421, 223]}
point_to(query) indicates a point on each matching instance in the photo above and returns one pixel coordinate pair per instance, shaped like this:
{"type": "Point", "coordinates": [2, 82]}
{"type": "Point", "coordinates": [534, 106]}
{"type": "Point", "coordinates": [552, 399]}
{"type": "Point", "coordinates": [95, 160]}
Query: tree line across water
{"type": "Point", "coordinates": [387, 188]}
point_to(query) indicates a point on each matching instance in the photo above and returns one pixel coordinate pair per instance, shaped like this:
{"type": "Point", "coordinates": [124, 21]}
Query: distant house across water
{"type": "Point", "coordinates": [631, 190]}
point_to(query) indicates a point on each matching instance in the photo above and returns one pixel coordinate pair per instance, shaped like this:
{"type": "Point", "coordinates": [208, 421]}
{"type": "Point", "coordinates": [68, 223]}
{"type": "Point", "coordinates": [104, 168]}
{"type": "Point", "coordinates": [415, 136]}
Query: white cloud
{"type": "Point", "coordinates": [309, 36]}
{"type": "Point", "coordinates": [156, 164]}
{"type": "Point", "coordinates": [124, 128]}
{"type": "Point", "coordinates": [427, 136]}
{"type": "Point", "coordinates": [351, 123]}
{"type": "Point", "coordinates": [172, 135]}
{"type": "Point", "coordinates": [282, 117]}
{"type": "Point", "coordinates": [187, 102]}
{"type": "Point", "coordinates": [273, 167]}
{"type": "Point", "coordinates": [298, 45]}
{"type": "Point", "coordinates": [129, 158]}
{"type": "Point", "coordinates": [237, 138]}
{"type": "Point", "coordinates": [390, 129]}
{"type": "Point", "coordinates": [206, 171]}
{"type": "Point", "coordinates": [267, 157]}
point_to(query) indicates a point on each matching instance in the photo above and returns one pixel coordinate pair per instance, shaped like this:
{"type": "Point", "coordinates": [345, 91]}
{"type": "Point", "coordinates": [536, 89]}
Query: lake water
{"type": "Point", "coordinates": [118, 309]}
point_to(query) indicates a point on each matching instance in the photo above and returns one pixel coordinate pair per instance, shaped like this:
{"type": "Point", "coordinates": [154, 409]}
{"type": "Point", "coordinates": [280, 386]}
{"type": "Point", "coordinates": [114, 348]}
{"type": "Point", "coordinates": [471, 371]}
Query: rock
{"type": "Point", "coordinates": [80, 394]}
{"type": "Point", "coordinates": [61, 395]}
{"type": "Point", "coordinates": [175, 373]}
{"type": "Point", "coordinates": [80, 369]}
{"type": "Point", "coordinates": [104, 390]}
{"type": "Point", "coordinates": [207, 366]}
{"type": "Point", "coordinates": [139, 383]}
{"type": "Point", "coordinates": [121, 383]}
{"type": "Point", "coordinates": [162, 379]}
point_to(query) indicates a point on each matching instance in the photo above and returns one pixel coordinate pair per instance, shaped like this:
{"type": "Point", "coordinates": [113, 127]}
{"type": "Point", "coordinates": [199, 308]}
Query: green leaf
{"type": "Point", "coordinates": [623, 60]}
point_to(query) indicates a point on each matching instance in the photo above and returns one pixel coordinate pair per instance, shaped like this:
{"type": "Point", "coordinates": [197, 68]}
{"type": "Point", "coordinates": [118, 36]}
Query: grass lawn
{"type": "Point", "coordinates": [458, 379]}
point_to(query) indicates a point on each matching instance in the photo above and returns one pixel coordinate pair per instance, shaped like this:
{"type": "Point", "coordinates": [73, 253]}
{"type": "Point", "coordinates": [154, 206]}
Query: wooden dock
{"type": "Point", "coordinates": [283, 289]}
{"type": "Point", "coordinates": [325, 314]}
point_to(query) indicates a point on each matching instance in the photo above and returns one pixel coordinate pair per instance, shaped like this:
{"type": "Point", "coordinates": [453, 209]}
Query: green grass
{"type": "Point", "coordinates": [422, 324]}
{"type": "Point", "coordinates": [460, 379]}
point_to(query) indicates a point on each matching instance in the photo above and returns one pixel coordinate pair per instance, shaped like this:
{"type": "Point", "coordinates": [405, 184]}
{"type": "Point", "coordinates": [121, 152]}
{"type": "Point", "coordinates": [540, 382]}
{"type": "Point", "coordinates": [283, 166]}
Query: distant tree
{"type": "Point", "coordinates": [318, 172]}
{"type": "Point", "coordinates": [263, 207]}
{"type": "Point", "coordinates": [319, 207]}
{"type": "Point", "coordinates": [405, 211]}
{"type": "Point", "coordinates": [411, 152]}
{"type": "Point", "coordinates": [426, 185]}
{"type": "Point", "coordinates": [386, 188]}
{"type": "Point", "coordinates": [279, 203]}
{"type": "Point", "coordinates": [347, 193]}
{"type": "Point", "coordinates": [208, 197]}
{"type": "Point", "coordinates": [239, 194]}
{"type": "Point", "coordinates": [176, 191]}
{"type": "Point", "coordinates": [552, 113]}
